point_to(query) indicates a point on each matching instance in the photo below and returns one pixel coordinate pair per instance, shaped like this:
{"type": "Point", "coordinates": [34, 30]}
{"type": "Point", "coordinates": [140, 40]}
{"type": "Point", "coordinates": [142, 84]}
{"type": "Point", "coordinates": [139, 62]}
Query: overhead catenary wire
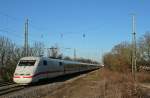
{"type": "Point", "coordinates": [16, 36]}
{"type": "Point", "coordinates": [21, 21]}
{"type": "Point", "coordinates": [39, 29]}
{"type": "Point", "coordinates": [32, 26]}
{"type": "Point", "coordinates": [4, 32]}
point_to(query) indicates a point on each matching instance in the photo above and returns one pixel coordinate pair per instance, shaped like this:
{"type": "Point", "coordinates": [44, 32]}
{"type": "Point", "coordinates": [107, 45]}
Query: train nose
{"type": "Point", "coordinates": [23, 75]}
{"type": "Point", "coordinates": [22, 79]}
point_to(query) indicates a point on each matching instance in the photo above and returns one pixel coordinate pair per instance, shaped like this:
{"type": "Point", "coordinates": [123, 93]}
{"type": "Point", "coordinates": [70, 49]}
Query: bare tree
{"type": "Point", "coordinates": [144, 49]}
{"type": "Point", "coordinates": [7, 57]}
{"type": "Point", "coordinates": [6, 50]}
{"type": "Point", "coordinates": [54, 52]}
{"type": "Point", "coordinates": [119, 58]}
{"type": "Point", "coordinates": [37, 49]}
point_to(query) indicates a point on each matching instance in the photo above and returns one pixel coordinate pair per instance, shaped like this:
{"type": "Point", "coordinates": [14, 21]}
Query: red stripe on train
{"type": "Point", "coordinates": [22, 76]}
{"type": "Point", "coordinates": [17, 77]}
{"type": "Point", "coordinates": [40, 73]}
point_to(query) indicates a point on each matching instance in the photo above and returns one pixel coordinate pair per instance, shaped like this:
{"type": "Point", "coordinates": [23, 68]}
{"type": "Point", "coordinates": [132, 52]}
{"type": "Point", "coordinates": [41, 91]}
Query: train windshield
{"type": "Point", "coordinates": [26, 63]}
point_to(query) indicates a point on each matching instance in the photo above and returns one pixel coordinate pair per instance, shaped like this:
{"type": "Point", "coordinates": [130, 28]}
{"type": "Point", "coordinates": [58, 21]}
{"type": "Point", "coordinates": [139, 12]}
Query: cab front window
{"type": "Point", "coordinates": [26, 63]}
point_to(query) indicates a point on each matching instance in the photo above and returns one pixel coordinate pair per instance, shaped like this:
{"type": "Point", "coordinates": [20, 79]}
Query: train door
{"type": "Point", "coordinates": [42, 70]}
{"type": "Point", "coordinates": [45, 66]}
{"type": "Point", "coordinates": [61, 67]}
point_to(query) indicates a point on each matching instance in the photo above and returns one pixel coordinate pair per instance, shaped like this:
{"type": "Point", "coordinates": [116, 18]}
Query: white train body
{"type": "Point", "coordinates": [33, 69]}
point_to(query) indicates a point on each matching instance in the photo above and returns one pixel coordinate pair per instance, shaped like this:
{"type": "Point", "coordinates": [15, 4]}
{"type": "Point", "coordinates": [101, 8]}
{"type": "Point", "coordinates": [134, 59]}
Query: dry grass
{"type": "Point", "coordinates": [143, 77]}
{"type": "Point", "coordinates": [101, 84]}
{"type": "Point", "coordinates": [117, 85]}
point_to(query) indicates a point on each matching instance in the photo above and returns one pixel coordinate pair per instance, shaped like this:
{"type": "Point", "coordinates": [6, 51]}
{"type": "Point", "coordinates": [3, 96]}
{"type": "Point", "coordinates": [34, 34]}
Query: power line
{"type": "Point", "coordinates": [20, 21]}
{"type": "Point", "coordinates": [35, 27]}
{"type": "Point", "coordinates": [17, 36]}
{"type": "Point", "coordinates": [10, 33]}
{"type": "Point", "coordinates": [11, 17]}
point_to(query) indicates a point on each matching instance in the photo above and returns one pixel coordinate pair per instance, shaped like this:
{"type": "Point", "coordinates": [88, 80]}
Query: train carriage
{"type": "Point", "coordinates": [33, 69]}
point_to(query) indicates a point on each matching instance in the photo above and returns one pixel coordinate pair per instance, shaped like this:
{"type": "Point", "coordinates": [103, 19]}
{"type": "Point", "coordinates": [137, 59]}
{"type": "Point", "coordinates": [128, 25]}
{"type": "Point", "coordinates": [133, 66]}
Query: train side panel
{"type": "Point", "coordinates": [48, 68]}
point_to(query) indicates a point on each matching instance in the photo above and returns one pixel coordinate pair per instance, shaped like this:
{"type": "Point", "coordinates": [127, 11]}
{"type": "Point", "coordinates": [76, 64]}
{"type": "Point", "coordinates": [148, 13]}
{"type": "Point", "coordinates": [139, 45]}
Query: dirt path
{"type": "Point", "coordinates": [145, 85]}
{"type": "Point", "coordinates": [145, 88]}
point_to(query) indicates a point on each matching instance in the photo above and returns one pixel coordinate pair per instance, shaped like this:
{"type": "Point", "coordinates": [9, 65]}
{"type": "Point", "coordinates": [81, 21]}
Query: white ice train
{"type": "Point", "coordinates": [33, 69]}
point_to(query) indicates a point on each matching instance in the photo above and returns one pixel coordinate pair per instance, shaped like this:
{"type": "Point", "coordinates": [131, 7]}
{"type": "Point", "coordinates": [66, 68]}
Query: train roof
{"type": "Point", "coordinates": [46, 58]}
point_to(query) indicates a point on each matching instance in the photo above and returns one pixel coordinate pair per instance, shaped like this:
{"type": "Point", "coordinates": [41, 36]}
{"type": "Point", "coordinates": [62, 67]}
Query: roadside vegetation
{"type": "Point", "coordinates": [120, 57]}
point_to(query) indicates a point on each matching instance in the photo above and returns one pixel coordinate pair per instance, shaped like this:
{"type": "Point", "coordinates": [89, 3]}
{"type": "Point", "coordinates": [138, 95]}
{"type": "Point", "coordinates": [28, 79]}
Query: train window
{"type": "Point", "coordinates": [60, 63]}
{"type": "Point", "coordinates": [26, 63]}
{"type": "Point", "coordinates": [44, 62]}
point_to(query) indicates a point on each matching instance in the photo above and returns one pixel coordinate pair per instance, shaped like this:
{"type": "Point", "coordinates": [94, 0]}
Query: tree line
{"type": "Point", "coordinates": [120, 57]}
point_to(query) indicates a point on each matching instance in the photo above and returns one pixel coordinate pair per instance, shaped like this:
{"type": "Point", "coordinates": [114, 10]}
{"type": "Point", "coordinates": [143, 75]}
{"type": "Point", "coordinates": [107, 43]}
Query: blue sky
{"type": "Point", "coordinates": [105, 23]}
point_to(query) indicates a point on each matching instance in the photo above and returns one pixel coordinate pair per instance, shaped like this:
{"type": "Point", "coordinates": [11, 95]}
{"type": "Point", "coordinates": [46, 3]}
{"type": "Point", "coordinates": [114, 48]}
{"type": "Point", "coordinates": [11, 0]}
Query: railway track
{"type": "Point", "coordinates": [5, 83]}
{"type": "Point", "coordinates": [6, 88]}
{"type": "Point", "coordinates": [27, 91]}
{"type": "Point", "coordinates": [42, 88]}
